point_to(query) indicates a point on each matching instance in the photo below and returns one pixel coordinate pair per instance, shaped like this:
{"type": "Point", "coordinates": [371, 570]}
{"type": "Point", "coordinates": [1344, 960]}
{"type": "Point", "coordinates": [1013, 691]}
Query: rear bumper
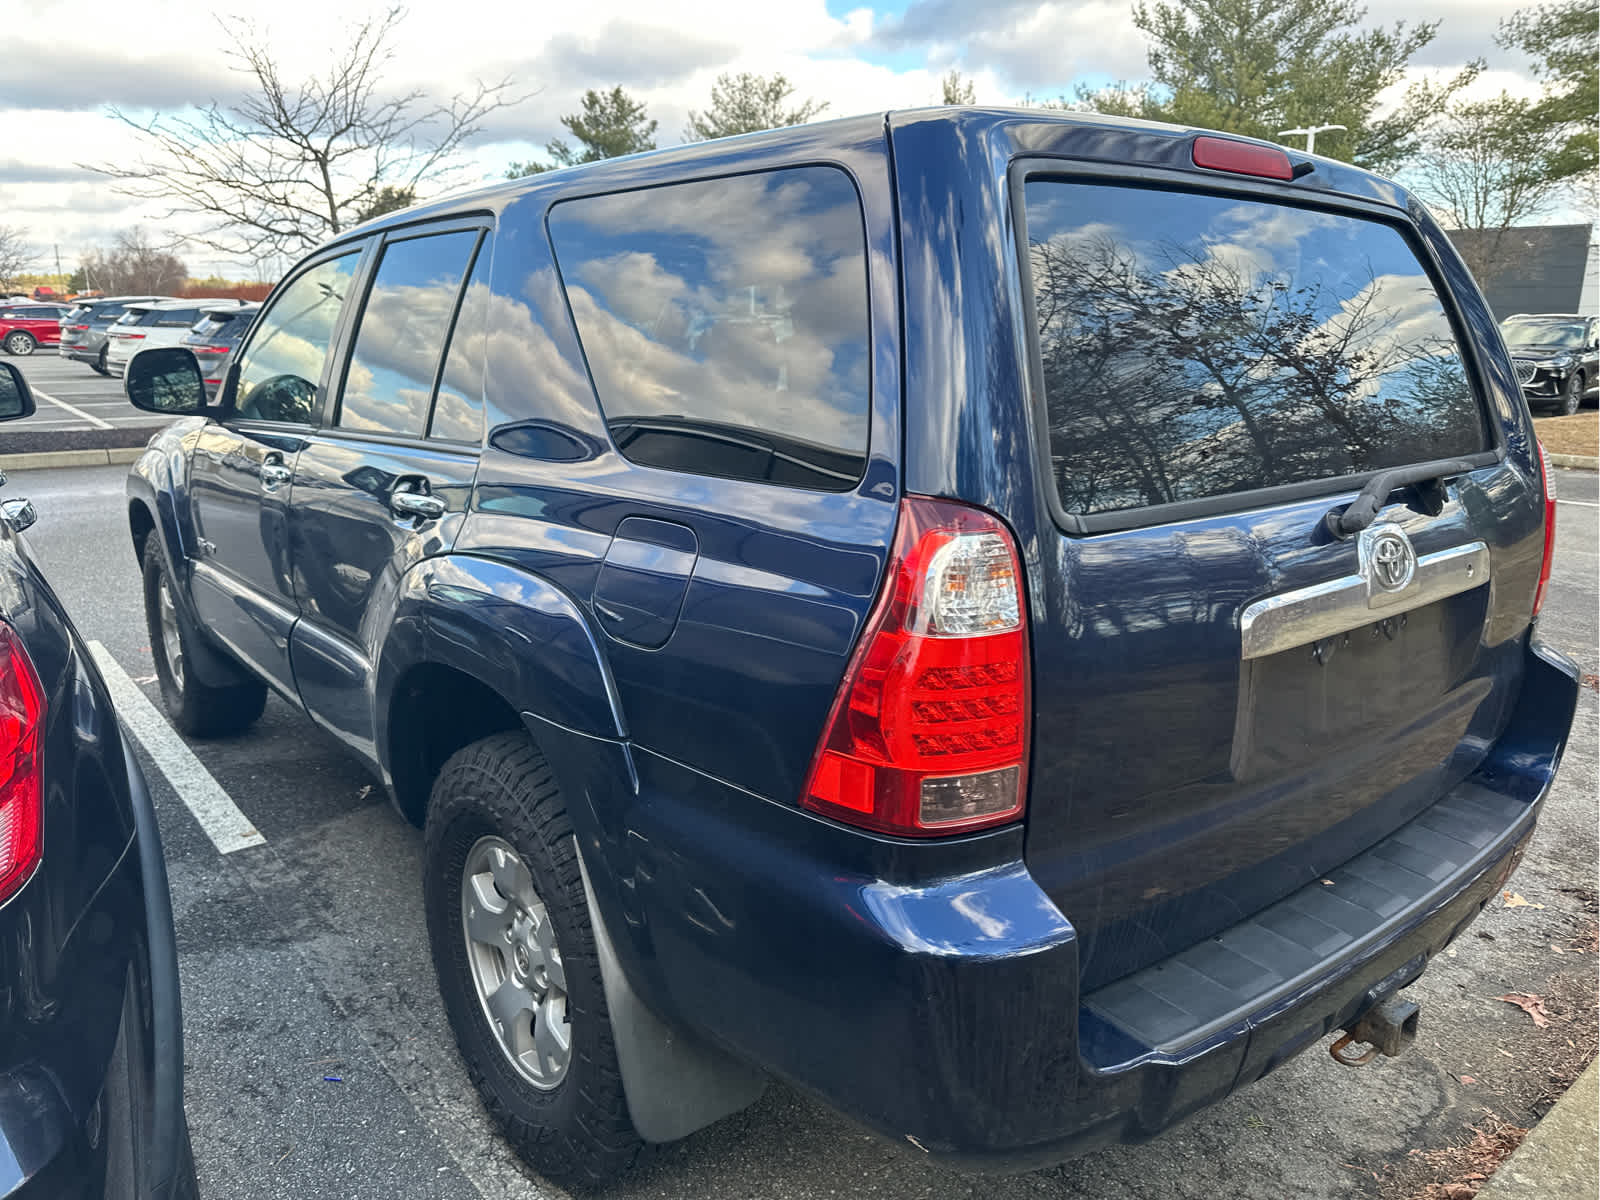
{"type": "Point", "coordinates": [945, 1013]}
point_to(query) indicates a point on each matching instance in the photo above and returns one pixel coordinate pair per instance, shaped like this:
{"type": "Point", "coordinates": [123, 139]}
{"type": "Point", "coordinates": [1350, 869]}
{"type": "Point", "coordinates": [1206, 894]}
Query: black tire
{"type": "Point", "coordinates": [20, 343]}
{"type": "Point", "coordinates": [577, 1133]}
{"type": "Point", "coordinates": [1571, 397]}
{"type": "Point", "coordinates": [194, 708]}
{"type": "Point", "coordinates": [185, 1185]}
{"type": "Point", "coordinates": [99, 364]}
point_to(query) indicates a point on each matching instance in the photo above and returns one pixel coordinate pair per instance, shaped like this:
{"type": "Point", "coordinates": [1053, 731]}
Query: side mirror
{"type": "Point", "coordinates": [16, 397]}
{"type": "Point", "coordinates": [165, 380]}
{"type": "Point", "coordinates": [20, 514]}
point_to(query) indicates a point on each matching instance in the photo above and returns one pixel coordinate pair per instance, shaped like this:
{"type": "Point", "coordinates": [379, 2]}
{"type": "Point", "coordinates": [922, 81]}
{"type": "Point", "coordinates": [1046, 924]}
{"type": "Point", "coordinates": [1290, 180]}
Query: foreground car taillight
{"type": "Point", "coordinates": [1548, 482]}
{"type": "Point", "coordinates": [21, 787]}
{"type": "Point", "coordinates": [929, 732]}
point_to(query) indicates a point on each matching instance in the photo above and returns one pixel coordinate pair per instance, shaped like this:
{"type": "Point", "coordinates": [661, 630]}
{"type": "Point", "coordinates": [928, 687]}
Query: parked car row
{"type": "Point", "coordinates": [106, 331]}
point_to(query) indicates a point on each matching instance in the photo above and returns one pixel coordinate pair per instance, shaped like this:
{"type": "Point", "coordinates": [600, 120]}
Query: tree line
{"type": "Point", "coordinates": [298, 160]}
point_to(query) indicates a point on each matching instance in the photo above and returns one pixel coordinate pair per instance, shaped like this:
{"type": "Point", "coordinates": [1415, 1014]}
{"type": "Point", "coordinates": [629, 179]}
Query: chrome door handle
{"type": "Point", "coordinates": [416, 504]}
{"type": "Point", "coordinates": [275, 474]}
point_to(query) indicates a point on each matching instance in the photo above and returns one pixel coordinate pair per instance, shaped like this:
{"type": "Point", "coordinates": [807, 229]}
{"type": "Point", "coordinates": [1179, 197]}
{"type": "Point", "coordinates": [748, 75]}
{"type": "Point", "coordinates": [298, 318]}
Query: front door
{"type": "Point", "coordinates": [386, 481]}
{"type": "Point", "coordinates": [243, 467]}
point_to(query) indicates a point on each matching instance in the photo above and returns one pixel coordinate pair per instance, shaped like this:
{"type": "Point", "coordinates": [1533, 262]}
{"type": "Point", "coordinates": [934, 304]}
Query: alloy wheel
{"type": "Point", "coordinates": [515, 963]}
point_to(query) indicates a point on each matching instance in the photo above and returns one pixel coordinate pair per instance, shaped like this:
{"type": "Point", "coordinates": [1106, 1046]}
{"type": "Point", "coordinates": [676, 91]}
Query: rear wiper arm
{"type": "Point", "coordinates": [1363, 510]}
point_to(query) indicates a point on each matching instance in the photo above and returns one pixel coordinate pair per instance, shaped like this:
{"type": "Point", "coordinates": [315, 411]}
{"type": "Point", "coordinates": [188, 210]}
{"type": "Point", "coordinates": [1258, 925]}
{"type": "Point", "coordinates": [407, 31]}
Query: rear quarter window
{"type": "Point", "coordinates": [725, 323]}
{"type": "Point", "coordinates": [1195, 346]}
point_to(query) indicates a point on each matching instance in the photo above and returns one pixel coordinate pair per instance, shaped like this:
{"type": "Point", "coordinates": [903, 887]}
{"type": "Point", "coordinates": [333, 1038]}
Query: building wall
{"type": "Point", "coordinates": [1544, 268]}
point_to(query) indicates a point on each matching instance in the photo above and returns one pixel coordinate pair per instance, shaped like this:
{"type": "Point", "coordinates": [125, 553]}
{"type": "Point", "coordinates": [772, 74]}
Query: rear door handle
{"type": "Point", "coordinates": [274, 473]}
{"type": "Point", "coordinates": [420, 505]}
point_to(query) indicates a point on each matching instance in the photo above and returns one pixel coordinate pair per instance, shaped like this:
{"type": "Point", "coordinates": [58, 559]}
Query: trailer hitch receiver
{"type": "Point", "coordinates": [1386, 1028]}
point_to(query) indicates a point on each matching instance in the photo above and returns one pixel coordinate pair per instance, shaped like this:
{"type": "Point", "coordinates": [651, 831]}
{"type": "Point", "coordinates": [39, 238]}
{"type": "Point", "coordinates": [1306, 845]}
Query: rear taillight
{"type": "Point", "coordinates": [21, 790]}
{"type": "Point", "coordinates": [78, 328]}
{"type": "Point", "coordinates": [1546, 481]}
{"type": "Point", "coordinates": [929, 732]}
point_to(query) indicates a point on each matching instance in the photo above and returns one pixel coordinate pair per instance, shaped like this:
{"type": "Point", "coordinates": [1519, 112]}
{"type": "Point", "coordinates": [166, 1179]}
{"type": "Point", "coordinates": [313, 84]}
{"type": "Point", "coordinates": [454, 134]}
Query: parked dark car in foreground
{"type": "Point", "coordinates": [214, 337]}
{"type": "Point", "coordinates": [1557, 357]}
{"type": "Point", "coordinates": [84, 328]}
{"type": "Point", "coordinates": [91, 1041]}
{"type": "Point", "coordinates": [26, 327]}
{"type": "Point", "coordinates": [761, 574]}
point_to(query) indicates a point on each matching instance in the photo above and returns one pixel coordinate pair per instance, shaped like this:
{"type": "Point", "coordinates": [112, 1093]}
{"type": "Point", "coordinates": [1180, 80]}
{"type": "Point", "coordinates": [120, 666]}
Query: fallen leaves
{"type": "Point", "coordinates": [1530, 1004]}
{"type": "Point", "coordinates": [1513, 900]}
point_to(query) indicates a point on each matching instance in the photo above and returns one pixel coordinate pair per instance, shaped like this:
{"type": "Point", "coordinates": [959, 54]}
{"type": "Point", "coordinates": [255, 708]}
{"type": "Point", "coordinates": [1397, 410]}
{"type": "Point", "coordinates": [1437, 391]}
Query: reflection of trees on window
{"type": "Point", "coordinates": [1181, 373]}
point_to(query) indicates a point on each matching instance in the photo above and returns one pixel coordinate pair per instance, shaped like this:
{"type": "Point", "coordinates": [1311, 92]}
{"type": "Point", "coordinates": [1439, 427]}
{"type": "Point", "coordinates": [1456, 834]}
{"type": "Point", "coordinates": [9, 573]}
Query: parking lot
{"type": "Point", "coordinates": [319, 1062]}
{"type": "Point", "coordinates": [71, 398]}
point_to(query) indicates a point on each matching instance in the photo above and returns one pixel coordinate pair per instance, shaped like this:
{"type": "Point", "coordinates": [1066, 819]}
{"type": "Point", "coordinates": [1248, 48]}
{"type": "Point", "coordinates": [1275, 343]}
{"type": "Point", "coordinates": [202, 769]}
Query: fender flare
{"type": "Point", "coordinates": [158, 483]}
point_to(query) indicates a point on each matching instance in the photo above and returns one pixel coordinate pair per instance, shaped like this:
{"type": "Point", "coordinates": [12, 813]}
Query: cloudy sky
{"type": "Point", "coordinates": [64, 63]}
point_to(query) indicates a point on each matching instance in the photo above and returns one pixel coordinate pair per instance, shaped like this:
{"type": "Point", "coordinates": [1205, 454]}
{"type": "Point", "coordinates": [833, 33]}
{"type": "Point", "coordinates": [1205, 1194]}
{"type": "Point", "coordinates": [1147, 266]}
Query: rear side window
{"type": "Point", "coordinates": [458, 410]}
{"type": "Point", "coordinates": [725, 323]}
{"type": "Point", "coordinates": [1195, 346]}
{"type": "Point", "coordinates": [388, 387]}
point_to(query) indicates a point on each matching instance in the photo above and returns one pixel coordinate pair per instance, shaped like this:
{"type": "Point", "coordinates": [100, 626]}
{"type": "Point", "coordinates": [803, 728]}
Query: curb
{"type": "Point", "coordinates": [1577, 462]}
{"type": "Point", "coordinates": [42, 459]}
{"type": "Point", "coordinates": [1556, 1161]}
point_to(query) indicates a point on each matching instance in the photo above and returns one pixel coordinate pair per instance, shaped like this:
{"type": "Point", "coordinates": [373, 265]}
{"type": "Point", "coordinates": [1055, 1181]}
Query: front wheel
{"type": "Point", "coordinates": [1571, 394]}
{"type": "Point", "coordinates": [195, 708]}
{"type": "Point", "coordinates": [515, 954]}
{"type": "Point", "coordinates": [20, 343]}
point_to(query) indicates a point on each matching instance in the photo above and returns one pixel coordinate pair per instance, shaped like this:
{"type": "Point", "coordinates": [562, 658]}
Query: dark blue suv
{"type": "Point", "coordinates": [1016, 623]}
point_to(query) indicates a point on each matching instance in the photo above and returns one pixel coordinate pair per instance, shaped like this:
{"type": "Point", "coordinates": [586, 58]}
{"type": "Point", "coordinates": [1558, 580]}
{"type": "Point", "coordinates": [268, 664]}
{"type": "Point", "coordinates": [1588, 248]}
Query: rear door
{"type": "Point", "coordinates": [385, 482]}
{"type": "Point", "coordinates": [1230, 699]}
{"type": "Point", "coordinates": [242, 466]}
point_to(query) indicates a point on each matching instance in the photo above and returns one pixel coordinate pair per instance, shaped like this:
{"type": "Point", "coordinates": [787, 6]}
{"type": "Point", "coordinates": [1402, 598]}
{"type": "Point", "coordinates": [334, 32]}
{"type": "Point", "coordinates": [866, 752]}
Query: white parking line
{"type": "Point", "coordinates": [227, 827]}
{"type": "Point", "coordinates": [77, 412]}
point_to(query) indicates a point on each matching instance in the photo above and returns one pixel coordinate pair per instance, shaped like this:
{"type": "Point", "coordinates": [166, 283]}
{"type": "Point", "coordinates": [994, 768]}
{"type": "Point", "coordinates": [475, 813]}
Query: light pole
{"type": "Point", "coordinates": [1310, 132]}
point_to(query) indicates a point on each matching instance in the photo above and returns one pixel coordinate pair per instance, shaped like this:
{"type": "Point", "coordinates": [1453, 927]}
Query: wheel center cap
{"type": "Point", "coordinates": [523, 961]}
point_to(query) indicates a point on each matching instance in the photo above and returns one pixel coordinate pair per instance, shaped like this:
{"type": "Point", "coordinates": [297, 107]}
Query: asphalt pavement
{"type": "Point", "coordinates": [71, 400]}
{"type": "Point", "coordinates": [319, 1062]}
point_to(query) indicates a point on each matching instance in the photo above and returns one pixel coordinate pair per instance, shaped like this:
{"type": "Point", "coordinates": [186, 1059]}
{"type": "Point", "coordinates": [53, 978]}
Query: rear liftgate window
{"type": "Point", "coordinates": [725, 323]}
{"type": "Point", "coordinates": [1195, 346]}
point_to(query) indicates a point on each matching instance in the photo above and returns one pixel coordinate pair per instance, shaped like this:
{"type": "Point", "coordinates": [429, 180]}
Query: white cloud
{"type": "Point", "coordinates": [666, 52]}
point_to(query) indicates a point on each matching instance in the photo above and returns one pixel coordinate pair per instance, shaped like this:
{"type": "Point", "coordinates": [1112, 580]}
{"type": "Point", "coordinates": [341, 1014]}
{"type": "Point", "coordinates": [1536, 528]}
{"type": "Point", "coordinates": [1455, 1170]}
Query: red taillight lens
{"type": "Point", "coordinates": [929, 732]}
{"type": "Point", "coordinates": [21, 789]}
{"type": "Point", "coordinates": [1547, 481]}
{"type": "Point", "coordinates": [79, 328]}
{"type": "Point", "coordinates": [1241, 158]}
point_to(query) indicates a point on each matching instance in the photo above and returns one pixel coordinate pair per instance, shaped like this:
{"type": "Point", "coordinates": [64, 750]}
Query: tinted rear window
{"type": "Point", "coordinates": [1195, 346]}
{"type": "Point", "coordinates": [725, 323]}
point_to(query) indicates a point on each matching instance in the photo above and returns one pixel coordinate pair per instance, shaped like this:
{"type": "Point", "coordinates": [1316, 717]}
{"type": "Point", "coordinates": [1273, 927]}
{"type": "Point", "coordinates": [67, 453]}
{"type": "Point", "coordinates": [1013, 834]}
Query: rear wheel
{"type": "Point", "coordinates": [99, 364]}
{"type": "Point", "coordinates": [195, 708]}
{"type": "Point", "coordinates": [20, 342]}
{"type": "Point", "coordinates": [517, 965]}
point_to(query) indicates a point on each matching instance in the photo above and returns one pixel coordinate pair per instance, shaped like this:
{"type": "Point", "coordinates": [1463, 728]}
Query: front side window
{"type": "Point", "coordinates": [281, 368]}
{"type": "Point", "coordinates": [725, 323]}
{"type": "Point", "coordinates": [1195, 346]}
{"type": "Point", "coordinates": [389, 385]}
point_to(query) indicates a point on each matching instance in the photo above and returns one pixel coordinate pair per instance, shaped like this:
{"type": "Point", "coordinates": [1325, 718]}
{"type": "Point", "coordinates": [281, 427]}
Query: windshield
{"type": "Point", "coordinates": [1563, 334]}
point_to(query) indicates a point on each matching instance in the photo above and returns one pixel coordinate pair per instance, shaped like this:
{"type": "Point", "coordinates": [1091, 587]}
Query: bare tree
{"type": "Point", "coordinates": [1487, 168]}
{"type": "Point", "coordinates": [134, 266]}
{"type": "Point", "coordinates": [15, 255]}
{"type": "Point", "coordinates": [295, 162]}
